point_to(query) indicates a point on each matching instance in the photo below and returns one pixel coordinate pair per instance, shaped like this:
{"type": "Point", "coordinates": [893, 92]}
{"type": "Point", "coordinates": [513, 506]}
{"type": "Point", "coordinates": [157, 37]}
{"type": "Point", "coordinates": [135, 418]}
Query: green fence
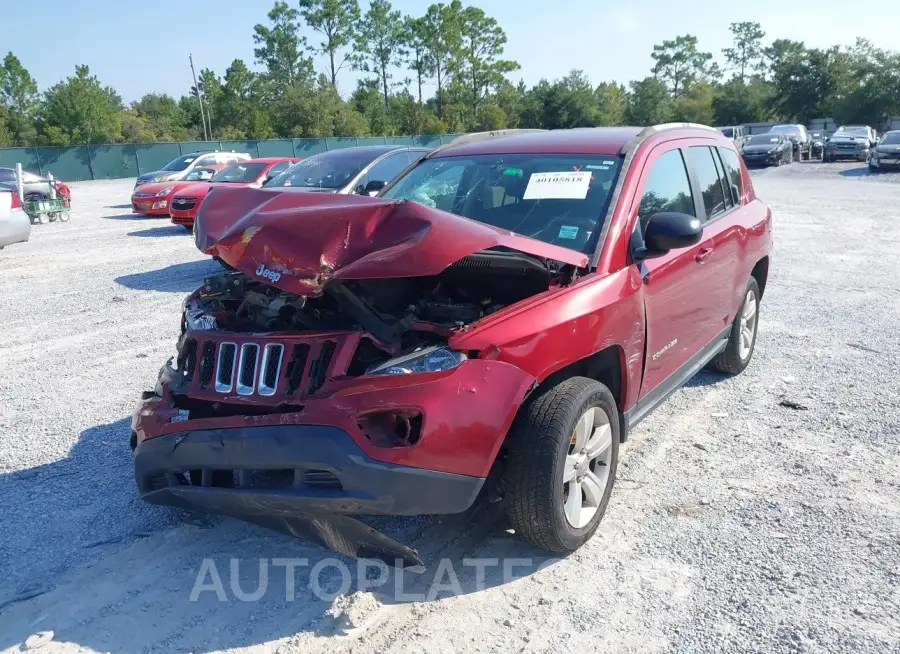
{"type": "Point", "coordinates": [132, 159]}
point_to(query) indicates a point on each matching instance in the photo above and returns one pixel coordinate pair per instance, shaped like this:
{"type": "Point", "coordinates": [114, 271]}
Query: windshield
{"type": "Point", "coordinates": [179, 164]}
{"type": "Point", "coordinates": [242, 173]}
{"type": "Point", "coordinates": [763, 139]}
{"type": "Point", "coordinates": [328, 170]}
{"type": "Point", "coordinates": [558, 199]}
{"type": "Point", "coordinates": [853, 131]}
{"type": "Point", "coordinates": [785, 129]}
{"type": "Point", "coordinates": [891, 138]}
{"type": "Point", "coordinates": [727, 131]}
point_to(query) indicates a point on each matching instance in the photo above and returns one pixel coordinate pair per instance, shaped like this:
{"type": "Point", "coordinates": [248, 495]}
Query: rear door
{"type": "Point", "coordinates": [721, 188]}
{"type": "Point", "coordinates": [674, 302]}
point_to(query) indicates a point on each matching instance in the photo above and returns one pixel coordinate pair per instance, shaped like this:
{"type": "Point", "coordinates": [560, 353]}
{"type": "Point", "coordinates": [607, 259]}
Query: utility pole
{"type": "Point", "coordinates": [199, 99]}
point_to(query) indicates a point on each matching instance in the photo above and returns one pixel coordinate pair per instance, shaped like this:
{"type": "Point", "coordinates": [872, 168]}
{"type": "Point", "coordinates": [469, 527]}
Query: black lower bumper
{"type": "Point", "coordinates": [302, 480]}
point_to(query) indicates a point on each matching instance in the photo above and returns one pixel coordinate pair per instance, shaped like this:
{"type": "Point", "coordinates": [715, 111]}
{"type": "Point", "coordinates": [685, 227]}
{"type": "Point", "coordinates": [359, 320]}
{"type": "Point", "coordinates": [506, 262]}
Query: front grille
{"type": "Point", "coordinates": [144, 196]}
{"type": "Point", "coordinates": [184, 204]}
{"type": "Point", "coordinates": [266, 368]}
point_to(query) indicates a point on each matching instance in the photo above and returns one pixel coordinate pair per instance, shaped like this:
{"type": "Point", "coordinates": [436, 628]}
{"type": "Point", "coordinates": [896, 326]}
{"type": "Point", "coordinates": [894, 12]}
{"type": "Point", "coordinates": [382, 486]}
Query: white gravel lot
{"type": "Point", "coordinates": [737, 525]}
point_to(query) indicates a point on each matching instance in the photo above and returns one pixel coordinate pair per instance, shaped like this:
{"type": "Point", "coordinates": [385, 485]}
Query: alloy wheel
{"type": "Point", "coordinates": [586, 471]}
{"type": "Point", "coordinates": [749, 323]}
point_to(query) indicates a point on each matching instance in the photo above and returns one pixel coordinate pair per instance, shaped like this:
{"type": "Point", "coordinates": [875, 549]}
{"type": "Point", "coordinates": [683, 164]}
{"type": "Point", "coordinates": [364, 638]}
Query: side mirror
{"type": "Point", "coordinates": [372, 187]}
{"type": "Point", "coordinates": [669, 230]}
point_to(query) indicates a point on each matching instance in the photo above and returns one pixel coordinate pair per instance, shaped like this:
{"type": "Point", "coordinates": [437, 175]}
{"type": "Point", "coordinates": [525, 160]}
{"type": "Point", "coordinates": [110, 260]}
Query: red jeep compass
{"type": "Point", "coordinates": [513, 303]}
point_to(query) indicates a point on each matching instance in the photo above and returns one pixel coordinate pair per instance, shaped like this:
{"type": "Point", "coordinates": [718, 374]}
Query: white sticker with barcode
{"type": "Point", "coordinates": [558, 186]}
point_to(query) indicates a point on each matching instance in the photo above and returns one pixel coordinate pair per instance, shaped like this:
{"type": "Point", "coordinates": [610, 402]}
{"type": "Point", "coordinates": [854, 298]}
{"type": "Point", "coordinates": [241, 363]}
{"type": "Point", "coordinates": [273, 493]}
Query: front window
{"type": "Point", "coordinates": [327, 170]}
{"type": "Point", "coordinates": [728, 132]}
{"type": "Point", "coordinates": [891, 138]}
{"type": "Point", "coordinates": [243, 173]}
{"type": "Point", "coordinates": [558, 199]}
{"type": "Point", "coordinates": [179, 164]}
{"type": "Point", "coordinates": [764, 139]}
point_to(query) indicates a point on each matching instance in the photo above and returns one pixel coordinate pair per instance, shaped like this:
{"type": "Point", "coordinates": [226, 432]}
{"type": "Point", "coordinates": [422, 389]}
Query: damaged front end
{"type": "Point", "coordinates": [303, 395]}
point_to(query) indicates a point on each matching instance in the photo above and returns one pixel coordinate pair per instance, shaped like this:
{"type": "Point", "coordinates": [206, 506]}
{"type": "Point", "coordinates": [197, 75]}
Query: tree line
{"type": "Point", "coordinates": [459, 51]}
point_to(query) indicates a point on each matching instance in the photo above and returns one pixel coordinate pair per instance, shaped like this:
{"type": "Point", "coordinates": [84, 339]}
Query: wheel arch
{"type": "Point", "coordinates": [760, 273]}
{"type": "Point", "coordinates": [606, 366]}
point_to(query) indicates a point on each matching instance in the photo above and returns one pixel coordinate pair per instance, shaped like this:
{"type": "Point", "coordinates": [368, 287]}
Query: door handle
{"type": "Point", "coordinates": [703, 255]}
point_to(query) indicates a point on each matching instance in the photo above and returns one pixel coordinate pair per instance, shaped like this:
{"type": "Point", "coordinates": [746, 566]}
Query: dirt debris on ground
{"type": "Point", "coordinates": [737, 525]}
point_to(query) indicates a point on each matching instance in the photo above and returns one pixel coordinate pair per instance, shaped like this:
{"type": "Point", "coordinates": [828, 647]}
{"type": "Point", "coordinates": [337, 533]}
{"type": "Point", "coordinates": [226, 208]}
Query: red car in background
{"type": "Point", "coordinates": [154, 199]}
{"type": "Point", "coordinates": [254, 172]}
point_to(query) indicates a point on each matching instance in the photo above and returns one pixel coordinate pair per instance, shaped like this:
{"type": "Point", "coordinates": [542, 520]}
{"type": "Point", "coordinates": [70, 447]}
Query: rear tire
{"type": "Point", "coordinates": [742, 341]}
{"type": "Point", "coordinates": [565, 441]}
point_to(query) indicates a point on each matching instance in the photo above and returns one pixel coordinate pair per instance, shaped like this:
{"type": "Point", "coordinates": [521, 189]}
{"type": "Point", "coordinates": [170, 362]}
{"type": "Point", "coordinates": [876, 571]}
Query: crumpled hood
{"type": "Point", "coordinates": [299, 241]}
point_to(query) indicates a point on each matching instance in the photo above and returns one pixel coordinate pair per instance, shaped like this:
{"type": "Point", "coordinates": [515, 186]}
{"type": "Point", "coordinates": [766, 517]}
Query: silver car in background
{"type": "Point", "coordinates": [15, 225]}
{"type": "Point", "coordinates": [34, 187]}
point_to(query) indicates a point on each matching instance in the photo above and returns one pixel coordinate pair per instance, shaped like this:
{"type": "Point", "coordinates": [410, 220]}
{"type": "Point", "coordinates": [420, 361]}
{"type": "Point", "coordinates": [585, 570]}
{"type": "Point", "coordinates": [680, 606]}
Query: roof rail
{"type": "Point", "coordinates": [483, 136]}
{"type": "Point", "coordinates": [495, 134]}
{"type": "Point", "coordinates": [647, 132]}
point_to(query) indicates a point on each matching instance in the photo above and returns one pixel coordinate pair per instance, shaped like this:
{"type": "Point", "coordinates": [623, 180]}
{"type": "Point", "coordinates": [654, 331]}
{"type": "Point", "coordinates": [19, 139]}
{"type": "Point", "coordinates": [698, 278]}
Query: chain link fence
{"type": "Point", "coordinates": [84, 162]}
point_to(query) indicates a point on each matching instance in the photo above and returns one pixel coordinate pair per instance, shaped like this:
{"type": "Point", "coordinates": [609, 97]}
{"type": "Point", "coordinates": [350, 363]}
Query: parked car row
{"type": "Point", "coordinates": [361, 170]}
{"type": "Point", "coordinates": [784, 144]}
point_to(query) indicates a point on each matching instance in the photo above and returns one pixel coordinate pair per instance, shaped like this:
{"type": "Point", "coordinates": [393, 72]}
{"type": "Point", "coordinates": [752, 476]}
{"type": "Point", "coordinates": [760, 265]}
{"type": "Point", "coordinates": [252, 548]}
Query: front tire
{"type": "Point", "coordinates": [561, 466]}
{"type": "Point", "coordinates": [742, 340]}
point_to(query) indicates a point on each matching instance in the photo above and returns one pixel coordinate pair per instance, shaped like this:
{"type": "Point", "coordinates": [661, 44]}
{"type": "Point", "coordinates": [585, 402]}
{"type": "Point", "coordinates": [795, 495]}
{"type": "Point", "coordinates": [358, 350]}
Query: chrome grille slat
{"type": "Point", "coordinates": [247, 366]}
{"type": "Point", "coordinates": [225, 373]}
{"type": "Point", "coordinates": [269, 369]}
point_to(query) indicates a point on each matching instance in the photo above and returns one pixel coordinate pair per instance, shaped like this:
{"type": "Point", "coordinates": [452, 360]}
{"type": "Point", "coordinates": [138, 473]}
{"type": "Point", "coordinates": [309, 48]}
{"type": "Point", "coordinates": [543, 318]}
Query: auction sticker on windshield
{"type": "Point", "coordinates": [558, 186]}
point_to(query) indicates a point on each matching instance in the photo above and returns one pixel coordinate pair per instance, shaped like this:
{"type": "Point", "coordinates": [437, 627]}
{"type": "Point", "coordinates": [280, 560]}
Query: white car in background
{"type": "Point", "coordinates": [15, 225]}
{"type": "Point", "coordinates": [182, 166]}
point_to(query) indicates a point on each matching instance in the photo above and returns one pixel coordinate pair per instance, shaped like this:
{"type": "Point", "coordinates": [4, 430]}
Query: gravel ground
{"type": "Point", "coordinates": [737, 524]}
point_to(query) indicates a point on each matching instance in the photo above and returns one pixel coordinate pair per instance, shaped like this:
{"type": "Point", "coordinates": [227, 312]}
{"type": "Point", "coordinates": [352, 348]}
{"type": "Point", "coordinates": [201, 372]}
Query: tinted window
{"type": "Point", "coordinates": [328, 170]}
{"type": "Point", "coordinates": [559, 199]}
{"type": "Point", "coordinates": [708, 176]}
{"type": "Point", "coordinates": [733, 170]}
{"type": "Point", "coordinates": [7, 175]}
{"type": "Point", "coordinates": [242, 173]}
{"type": "Point", "coordinates": [277, 169]}
{"type": "Point", "coordinates": [179, 164]}
{"type": "Point", "coordinates": [386, 169]}
{"type": "Point", "coordinates": [765, 139]}
{"type": "Point", "coordinates": [891, 138]}
{"type": "Point", "coordinates": [667, 189]}
{"type": "Point", "coordinates": [728, 132]}
{"type": "Point", "coordinates": [729, 199]}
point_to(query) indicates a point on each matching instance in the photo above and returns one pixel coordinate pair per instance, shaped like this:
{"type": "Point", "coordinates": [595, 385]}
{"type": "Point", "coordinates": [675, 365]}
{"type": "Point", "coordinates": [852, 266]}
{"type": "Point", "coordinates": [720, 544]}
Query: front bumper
{"type": "Point", "coordinates": [183, 217]}
{"type": "Point", "coordinates": [857, 155]}
{"type": "Point", "coordinates": [155, 206]}
{"type": "Point", "coordinates": [302, 481]}
{"type": "Point", "coordinates": [289, 469]}
{"type": "Point", "coordinates": [883, 163]}
{"type": "Point", "coordinates": [762, 160]}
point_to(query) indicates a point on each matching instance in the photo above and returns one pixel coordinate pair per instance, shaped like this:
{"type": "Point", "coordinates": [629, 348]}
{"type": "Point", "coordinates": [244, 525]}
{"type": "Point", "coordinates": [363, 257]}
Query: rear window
{"type": "Point", "coordinates": [558, 199]}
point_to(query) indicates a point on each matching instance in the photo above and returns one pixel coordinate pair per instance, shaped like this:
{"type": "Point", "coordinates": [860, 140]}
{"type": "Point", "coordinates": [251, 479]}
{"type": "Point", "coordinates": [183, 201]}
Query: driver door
{"type": "Point", "coordinates": [675, 304]}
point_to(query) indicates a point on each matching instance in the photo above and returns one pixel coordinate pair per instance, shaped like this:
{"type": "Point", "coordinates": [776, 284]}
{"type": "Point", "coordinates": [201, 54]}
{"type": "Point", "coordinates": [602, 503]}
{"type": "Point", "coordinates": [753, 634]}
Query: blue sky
{"type": "Point", "coordinates": [138, 47]}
